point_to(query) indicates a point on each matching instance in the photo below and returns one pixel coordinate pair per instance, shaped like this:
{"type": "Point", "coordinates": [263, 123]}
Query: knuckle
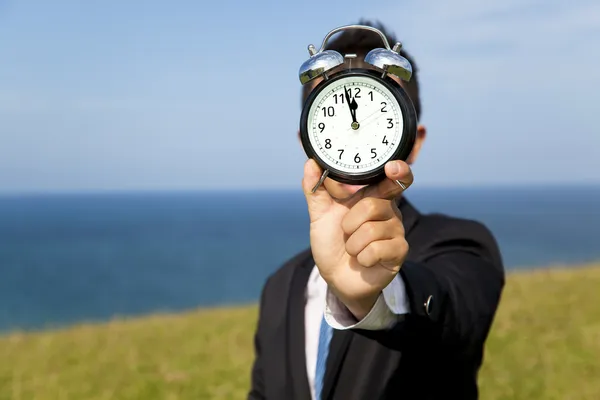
{"type": "Point", "coordinates": [370, 229]}
{"type": "Point", "coordinates": [399, 228]}
{"type": "Point", "coordinates": [403, 246]}
{"type": "Point", "coordinates": [369, 206]}
{"type": "Point", "coordinates": [367, 257]}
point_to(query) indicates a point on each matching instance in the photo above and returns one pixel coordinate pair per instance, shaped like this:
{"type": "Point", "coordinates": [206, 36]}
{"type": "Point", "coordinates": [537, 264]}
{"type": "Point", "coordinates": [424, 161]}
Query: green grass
{"type": "Point", "coordinates": [545, 344]}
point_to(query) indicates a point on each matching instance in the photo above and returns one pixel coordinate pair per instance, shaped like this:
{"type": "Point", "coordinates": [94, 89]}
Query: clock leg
{"type": "Point", "coordinates": [323, 176]}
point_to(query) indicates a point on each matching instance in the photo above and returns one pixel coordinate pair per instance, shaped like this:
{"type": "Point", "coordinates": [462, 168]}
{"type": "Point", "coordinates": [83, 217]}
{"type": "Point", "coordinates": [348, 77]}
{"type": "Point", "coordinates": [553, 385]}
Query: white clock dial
{"type": "Point", "coordinates": [360, 144]}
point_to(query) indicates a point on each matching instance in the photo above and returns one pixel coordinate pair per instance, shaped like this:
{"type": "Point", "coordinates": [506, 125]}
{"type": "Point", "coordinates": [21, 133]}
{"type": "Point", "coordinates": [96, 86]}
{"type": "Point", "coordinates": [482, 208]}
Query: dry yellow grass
{"type": "Point", "coordinates": [545, 344]}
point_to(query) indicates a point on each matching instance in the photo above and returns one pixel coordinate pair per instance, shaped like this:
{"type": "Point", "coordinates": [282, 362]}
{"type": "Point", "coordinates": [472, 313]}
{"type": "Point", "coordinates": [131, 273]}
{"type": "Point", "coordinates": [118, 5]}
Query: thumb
{"type": "Point", "coordinates": [396, 172]}
{"type": "Point", "coordinates": [320, 201]}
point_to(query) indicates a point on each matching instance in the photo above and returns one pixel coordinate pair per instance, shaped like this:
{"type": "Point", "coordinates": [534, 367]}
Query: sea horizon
{"type": "Point", "coordinates": [91, 256]}
{"type": "Point", "coordinates": [533, 185]}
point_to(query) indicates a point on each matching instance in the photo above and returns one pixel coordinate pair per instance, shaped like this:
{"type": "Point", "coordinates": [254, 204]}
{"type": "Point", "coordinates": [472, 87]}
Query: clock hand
{"type": "Point", "coordinates": [349, 104]}
{"type": "Point", "coordinates": [364, 121]}
{"type": "Point", "coordinates": [352, 106]}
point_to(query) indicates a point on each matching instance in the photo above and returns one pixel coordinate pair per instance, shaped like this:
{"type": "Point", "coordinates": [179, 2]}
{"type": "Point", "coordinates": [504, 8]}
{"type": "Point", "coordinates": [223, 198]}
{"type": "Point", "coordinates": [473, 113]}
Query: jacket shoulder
{"type": "Point", "coordinates": [439, 230]}
{"type": "Point", "coordinates": [454, 226]}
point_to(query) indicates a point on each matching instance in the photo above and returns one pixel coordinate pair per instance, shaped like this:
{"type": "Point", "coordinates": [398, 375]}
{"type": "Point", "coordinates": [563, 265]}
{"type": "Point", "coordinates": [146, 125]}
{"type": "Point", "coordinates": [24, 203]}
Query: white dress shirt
{"type": "Point", "coordinates": [392, 303]}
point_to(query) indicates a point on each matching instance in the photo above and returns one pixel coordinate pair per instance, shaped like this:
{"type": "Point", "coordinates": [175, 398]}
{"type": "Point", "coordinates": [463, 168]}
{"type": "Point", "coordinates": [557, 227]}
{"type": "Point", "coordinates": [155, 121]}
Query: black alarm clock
{"type": "Point", "coordinates": [356, 120]}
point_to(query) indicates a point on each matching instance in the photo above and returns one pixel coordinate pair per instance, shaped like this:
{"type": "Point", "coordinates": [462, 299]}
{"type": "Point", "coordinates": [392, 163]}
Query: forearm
{"type": "Point", "coordinates": [453, 296]}
{"type": "Point", "coordinates": [456, 295]}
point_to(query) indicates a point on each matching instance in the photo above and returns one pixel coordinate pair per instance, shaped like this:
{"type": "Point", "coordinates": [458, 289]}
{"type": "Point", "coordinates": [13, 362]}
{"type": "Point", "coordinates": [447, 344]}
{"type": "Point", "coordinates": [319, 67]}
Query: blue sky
{"type": "Point", "coordinates": [114, 95]}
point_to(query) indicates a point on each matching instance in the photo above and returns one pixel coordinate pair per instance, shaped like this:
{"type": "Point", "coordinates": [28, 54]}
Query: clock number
{"type": "Point", "coordinates": [327, 143]}
{"type": "Point", "coordinates": [384, 141]}
{"type": "Point", "coordinates": [356, 158]}
{"type": "Point", "coordinates": [329, 111]}
{"type": "Point", "coordinates": [371, 94]}
{"type": "Point", "coordinates": [357, 94]}
{"type": "Point", "coordinates": [321, 127]}
{"type": "Point", "coordinates": [390, 123]}
{"type": "Point", "coordinates": [341, 96]}
{"type": "Point", "coordinates": [341, 152]}
{"type": "Point", "coordinates": [374, 153]}
{"type": "Point", "coordinates": [383, 103]}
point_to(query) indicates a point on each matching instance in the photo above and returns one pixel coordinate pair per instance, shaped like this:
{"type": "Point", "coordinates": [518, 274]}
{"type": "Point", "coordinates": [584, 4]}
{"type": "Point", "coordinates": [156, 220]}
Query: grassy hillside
{"type": "Point", "coordinates": [545, 344]}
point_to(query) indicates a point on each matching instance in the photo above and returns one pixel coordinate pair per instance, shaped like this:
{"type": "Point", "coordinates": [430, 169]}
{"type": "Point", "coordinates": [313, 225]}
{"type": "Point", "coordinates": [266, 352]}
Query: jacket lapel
{"type": "Point", "coordinates": [296, 338]}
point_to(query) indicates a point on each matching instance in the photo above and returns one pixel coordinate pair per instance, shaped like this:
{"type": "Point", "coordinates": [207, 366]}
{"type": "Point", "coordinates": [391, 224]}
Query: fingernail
{"type": "Point", "coordinates": [394, 168]}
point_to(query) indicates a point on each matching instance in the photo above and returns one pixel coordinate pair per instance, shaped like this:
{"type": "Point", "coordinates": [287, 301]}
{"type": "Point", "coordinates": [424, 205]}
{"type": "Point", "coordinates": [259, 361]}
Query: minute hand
{"type": "Point", "coordinates": [351, 105]}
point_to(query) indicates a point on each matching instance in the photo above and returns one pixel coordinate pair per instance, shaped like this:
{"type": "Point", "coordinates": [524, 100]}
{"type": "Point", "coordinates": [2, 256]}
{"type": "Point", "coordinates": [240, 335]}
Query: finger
{"type": "Point", "coordinates": [388, 188]}
{"type": "Point", "coordinates": [318, 202]}
{"type": "Point", "coordinates": [370, 232]}
{"type": "Point", "coordinates": [366, 209]}
{"type": "Point", "coordinates": [387, 253]}
{"type": "Point", "coordinates": [396, 210]}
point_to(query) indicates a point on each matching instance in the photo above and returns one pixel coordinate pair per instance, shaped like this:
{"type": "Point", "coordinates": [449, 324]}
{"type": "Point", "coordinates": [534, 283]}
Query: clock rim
{"type": "Point", "coordinates": [409, 129]}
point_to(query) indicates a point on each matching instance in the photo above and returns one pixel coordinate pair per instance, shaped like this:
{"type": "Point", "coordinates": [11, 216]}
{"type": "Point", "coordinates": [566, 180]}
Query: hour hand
{"type": "Point", "coordinates": [353, 107]}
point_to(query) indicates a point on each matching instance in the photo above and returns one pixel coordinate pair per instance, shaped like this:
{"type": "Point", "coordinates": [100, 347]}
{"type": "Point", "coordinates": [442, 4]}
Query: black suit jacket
{"type": "Point", "coordinates": [433, 353]}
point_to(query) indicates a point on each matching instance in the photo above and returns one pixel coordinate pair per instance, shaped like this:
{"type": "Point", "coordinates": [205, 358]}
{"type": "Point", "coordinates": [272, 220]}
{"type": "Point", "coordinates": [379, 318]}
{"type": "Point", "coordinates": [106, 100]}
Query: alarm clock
{"type": "Point", "coordinates": [356, 120]}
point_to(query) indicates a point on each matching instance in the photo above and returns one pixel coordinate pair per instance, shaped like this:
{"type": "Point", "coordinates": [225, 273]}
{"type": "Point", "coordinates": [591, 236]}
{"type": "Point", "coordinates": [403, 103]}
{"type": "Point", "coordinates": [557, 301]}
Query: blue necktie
{"type": "Point", "coordinates": [325, 335]}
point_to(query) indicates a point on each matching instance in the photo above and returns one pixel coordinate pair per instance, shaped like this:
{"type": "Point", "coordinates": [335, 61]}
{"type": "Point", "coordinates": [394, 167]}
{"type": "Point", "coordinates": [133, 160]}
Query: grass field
{"type": "Point", "coordinates": [545, 344]}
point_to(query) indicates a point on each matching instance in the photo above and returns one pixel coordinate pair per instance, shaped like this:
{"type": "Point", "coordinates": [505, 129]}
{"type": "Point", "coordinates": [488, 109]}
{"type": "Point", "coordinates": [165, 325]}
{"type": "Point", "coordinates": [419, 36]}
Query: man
{"type": "Point", "coordinates": [387, 303]}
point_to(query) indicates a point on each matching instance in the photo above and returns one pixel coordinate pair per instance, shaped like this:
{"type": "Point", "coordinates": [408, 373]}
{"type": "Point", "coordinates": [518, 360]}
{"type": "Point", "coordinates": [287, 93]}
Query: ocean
{"type": "Point", "coordinates": [66, 259]}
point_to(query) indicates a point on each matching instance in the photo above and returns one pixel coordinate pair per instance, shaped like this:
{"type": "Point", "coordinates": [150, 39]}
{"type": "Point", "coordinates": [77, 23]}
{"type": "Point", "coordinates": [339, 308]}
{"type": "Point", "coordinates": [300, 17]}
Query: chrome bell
{"type": "Point", "coordinates": [389, 60]}
{"type": "Point", "coordinates": [319, 63]}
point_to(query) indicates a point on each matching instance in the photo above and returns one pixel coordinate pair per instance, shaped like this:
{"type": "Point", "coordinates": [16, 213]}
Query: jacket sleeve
{"type": "Point", "coordinates": [257, 384]}
{"type": "Point", "coordinates": [453, 286]}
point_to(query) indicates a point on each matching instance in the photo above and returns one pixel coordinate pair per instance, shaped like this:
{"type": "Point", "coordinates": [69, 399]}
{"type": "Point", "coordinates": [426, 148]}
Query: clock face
{"type": "Point", "coordinates": [355, 124]}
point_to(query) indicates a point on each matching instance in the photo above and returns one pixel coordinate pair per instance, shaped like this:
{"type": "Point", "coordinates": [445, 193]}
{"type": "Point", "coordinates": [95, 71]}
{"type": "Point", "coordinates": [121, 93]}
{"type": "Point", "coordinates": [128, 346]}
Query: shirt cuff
{"type": "Point", "coordinates": [389, 309]}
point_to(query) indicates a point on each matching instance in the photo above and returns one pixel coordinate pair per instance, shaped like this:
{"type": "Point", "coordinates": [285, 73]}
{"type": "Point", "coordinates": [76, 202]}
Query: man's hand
{"type": "Point", "coordinates": [358, 243]}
